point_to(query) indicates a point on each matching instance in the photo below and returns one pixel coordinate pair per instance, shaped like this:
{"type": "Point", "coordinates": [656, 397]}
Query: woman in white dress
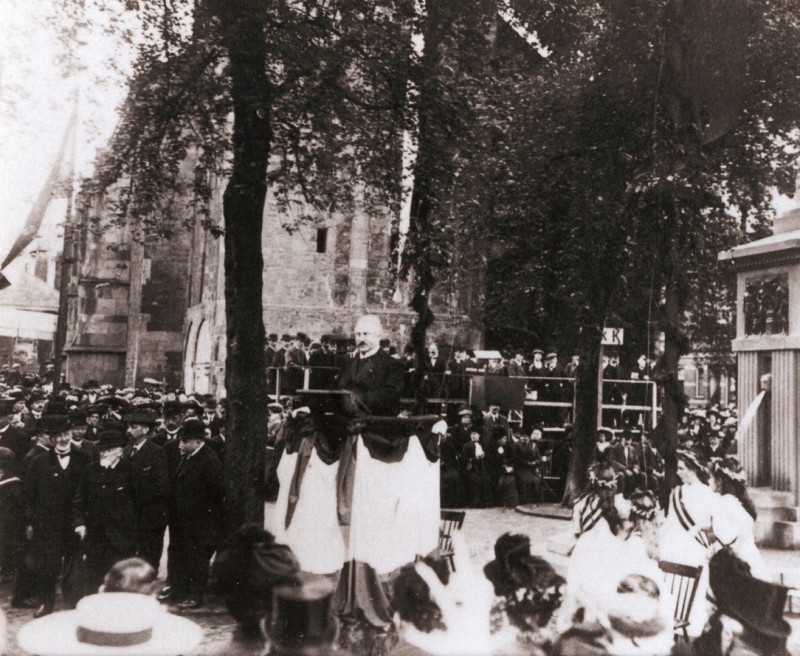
{"type": "Point", "coordinates": [734, 516]}
{"type": "Point", "coordinates": [685, 535]}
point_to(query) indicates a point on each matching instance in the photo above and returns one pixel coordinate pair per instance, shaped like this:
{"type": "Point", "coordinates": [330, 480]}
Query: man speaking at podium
{"type": "Point", "coordinates": [387, 484]}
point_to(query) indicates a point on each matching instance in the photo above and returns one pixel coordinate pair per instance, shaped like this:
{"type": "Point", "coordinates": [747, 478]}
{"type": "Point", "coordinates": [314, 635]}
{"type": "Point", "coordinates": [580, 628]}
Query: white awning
{"type": "Point", "coordinates": [27, 324]}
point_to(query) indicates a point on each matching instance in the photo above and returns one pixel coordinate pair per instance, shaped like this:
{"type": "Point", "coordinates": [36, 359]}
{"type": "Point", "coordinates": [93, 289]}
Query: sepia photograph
{"type": "Point", "coordinates": [399, 327]}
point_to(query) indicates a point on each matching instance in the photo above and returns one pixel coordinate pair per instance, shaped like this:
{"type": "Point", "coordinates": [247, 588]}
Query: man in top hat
{"type": "Point", "coordinates": [104, 515]}
{"type": "Point", "coordinates": [50, 484]}
{"type": "Point", "coordinates": [149, 484]}
{"type": "Point", "coordinates": [195, 516]}
{"type": "Point", "coordinates": [10, 436]}
{"type": "Point", "coordinates": [749, 619]}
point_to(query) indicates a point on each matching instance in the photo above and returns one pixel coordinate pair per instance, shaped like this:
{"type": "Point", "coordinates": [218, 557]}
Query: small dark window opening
{"type": "Point", "coordinates": [322, 240]}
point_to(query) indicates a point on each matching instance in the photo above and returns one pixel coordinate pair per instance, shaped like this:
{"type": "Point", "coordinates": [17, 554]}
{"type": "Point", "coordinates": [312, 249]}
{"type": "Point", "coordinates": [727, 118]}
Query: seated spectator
{"type": "Point", "coordinates": [473, 455]}
{"type": "Point", "coordinates": [528, 468]}
{"type": "Point", "coordinates": [504, 482]}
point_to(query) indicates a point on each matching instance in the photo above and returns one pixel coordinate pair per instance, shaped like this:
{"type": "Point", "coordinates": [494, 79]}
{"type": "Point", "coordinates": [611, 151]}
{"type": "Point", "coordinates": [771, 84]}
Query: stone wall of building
{"type": "Point", "coordinates": [100, 315]}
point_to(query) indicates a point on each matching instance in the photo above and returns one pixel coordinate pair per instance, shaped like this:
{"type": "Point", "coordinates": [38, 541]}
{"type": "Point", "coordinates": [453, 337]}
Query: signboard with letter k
{"type": "Point", "coordinates": [613, 336]}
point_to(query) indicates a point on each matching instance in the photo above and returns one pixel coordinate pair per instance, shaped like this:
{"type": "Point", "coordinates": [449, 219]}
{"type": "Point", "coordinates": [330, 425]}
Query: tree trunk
{"type": "Point", "coordinates": [673, 403]}
{"type": "Point", "coordinates": [584, 429]}
{"type": "Point", "coordinates": [242, 26]}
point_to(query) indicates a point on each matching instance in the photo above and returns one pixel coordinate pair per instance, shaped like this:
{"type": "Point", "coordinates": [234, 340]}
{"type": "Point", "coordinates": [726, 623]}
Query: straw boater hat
{"type": "Point", "coordinates": [111, 624]}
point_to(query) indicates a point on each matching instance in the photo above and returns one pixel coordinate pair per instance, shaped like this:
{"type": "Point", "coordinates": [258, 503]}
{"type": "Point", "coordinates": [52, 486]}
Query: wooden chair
{"type": "Point", "coordinates": [451, 521]}
{"type": "Point", "coordinates": [683, 581]}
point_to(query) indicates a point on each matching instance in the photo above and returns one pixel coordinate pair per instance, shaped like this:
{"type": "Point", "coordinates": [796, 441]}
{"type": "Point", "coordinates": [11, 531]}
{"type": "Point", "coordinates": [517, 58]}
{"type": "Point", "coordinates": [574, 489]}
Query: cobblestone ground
{"type": "Point", "coordinates": [481, 529]}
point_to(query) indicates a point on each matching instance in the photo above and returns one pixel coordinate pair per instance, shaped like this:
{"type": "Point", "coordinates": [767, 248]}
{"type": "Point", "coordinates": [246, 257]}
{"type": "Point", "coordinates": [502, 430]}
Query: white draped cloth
{"type": "Point", "coordinates": [395, 512]}
{"type": "Point", "coordinates": [314, 534]}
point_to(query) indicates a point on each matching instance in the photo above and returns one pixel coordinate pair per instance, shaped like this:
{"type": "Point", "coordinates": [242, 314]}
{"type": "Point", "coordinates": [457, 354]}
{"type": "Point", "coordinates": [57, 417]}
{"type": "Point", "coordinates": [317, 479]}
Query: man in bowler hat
{"type": "Point", "coordinates": [103, 508]}
{"type": "Point", "coordinates": [50, 483]}
{"type": "Point", "coordinates": [195, 516]}
{"type": "Point", "coordinates": [149, 484]}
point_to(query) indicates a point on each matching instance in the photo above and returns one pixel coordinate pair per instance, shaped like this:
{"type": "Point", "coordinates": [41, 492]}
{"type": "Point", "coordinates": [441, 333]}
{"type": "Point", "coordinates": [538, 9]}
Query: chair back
{"type": "Point", "coordinates": [450, 522]}
{"type": "Point", "coordinates": [682, 581]}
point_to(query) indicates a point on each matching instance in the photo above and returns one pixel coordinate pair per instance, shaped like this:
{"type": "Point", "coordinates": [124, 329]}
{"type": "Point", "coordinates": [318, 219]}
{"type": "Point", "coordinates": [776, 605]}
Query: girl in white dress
{"type": "Point", "coordinates": [734, 516]}
{"type": "Point", "coordinates": [598, 521]}
{"type": "Point", "coordinates": [685, 535]}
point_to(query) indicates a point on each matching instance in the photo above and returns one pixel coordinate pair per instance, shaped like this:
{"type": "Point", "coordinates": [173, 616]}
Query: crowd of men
{"type": "Point", "coordinates": [639, 464]}
{"type": "Point", "coordinates": [92, 475]}
{"type": "Point", "coordinates": [443, 371]}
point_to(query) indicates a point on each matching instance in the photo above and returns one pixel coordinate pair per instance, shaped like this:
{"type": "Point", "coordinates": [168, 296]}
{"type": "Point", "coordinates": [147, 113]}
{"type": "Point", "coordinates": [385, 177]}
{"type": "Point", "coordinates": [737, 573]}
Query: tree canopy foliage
{"type": "Point", "coordinates": [593, 185]}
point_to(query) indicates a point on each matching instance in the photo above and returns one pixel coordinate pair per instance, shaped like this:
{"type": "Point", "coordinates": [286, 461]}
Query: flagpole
{"type": "Point", "coordinates": [67, 259]}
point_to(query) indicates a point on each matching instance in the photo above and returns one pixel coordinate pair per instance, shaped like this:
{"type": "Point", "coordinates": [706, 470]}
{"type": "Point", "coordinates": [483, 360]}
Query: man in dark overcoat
{"type": "Point", "coordinates": [195, 515]}
{"type": "Point", "coordinates": [149, 484]}
{"type": "Point", "coordinates": [12, 437]}
{"type": "Point", "coordinates": [50, 484]}
{"type": "Point", "coordinates": [103, 509]}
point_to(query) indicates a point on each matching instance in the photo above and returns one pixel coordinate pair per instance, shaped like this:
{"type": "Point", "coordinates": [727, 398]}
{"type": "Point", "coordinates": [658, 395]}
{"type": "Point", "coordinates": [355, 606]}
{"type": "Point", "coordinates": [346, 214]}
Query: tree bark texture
{"type": "Point", "coordinates": [584, 429]}
{"type": "Point", "coordinates": [242, 26]}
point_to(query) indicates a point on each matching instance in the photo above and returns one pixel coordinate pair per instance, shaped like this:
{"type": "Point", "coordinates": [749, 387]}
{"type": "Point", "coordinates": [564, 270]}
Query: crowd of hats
{"type": "Point", "coordinates": [71, 405]}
